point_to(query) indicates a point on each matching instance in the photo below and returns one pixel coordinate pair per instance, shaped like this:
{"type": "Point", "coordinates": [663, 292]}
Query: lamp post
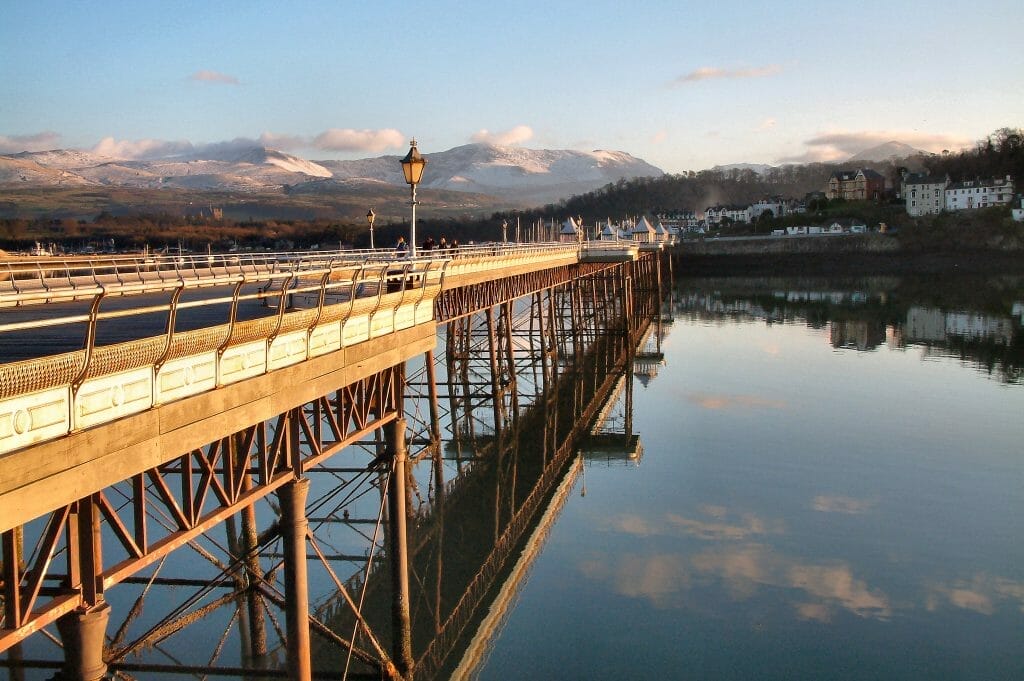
{"type": "Point", "coordinates": [369, 218]}
{"type": "Point", "coordinates": [504, 231]}
{"type": "Point", "coordinates": [412, 168]}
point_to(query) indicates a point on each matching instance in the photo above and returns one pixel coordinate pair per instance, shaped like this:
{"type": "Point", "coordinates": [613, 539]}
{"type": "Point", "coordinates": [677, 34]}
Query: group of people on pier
{"type": "Point", "coordinates": [443, 247]}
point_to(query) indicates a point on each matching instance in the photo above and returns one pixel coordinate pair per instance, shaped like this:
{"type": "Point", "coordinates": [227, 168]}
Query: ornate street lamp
{"type": "Point", "coordinates": [412, 168]}
{"type": "Point", "coordinates": [369, 218]}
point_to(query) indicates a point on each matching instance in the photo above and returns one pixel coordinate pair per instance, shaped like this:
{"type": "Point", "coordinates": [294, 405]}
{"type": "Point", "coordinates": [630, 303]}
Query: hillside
{"type": "Point", "coordinates": [515, 175]}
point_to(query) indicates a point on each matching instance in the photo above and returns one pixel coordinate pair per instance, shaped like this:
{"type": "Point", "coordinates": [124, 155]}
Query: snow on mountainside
{"type": "Point", "coordinates": [23, 172]}
{"type": "Point", "coordinates": [528, 175]}
{"type": "Point", "coordinates": [531, 175]}
{"type": "Point", "coordinates": [65, 159]}
{"type": "Point", "coordinates": [759, 168]}
{"type": "Point", "coordinates": [885, 152]}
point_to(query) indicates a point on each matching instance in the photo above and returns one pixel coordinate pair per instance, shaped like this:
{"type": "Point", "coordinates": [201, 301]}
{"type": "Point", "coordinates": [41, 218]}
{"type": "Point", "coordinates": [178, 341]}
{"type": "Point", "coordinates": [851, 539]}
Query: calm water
{"type": "Point", "coordinates": [832, 486]}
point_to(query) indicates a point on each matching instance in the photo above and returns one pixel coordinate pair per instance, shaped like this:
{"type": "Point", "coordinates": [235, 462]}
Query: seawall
{"type": "Point", "coordinates": [834, 254]}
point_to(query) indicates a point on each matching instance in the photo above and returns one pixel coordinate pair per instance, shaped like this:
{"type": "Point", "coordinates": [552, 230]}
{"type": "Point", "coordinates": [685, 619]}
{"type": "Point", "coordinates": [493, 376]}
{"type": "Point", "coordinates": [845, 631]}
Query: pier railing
{"type": "Point", "coordinates": [313, 304]}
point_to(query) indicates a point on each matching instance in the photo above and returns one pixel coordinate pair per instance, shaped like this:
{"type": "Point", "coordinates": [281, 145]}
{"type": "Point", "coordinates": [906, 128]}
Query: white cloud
{"type": "Point", "coordinates": [42, 141]}
{"type": "Point", "coordinates": [840, 504]}
{"type": "Point", "coordinates": [715, 73]}
{"type": "Point", "coordinates": [767, 124]}
{"type": "Point", "coordinates": [348, 139]}
{"type": "Point", "coordinates": [840, 145]}
{"type": "Point", "coordinates": [214, 77]}
{"type": "Point", "coordinates": [722, 401]}
{"type": "Point", "coordinates": [283, 142]}
{"type": "Point", "coordinates": [140, 149]}
{"type": "Point", "coordinates": [508, 138]}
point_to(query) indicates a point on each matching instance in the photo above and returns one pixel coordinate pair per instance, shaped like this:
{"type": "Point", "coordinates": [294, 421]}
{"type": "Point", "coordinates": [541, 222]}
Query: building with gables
{"type": "Point", "coordinates": [855, 185]}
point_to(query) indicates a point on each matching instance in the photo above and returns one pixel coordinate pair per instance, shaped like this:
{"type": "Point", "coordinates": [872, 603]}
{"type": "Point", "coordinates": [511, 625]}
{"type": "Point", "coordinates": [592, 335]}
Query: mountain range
{"type": "Point", "coordinates": [529, 176]}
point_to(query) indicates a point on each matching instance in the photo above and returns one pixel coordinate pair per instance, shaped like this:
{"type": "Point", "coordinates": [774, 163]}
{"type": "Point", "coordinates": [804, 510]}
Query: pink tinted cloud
{"type": "Point", "coordinates": [715, 73]}
{"type": "Point", "coordinates": [205, 76]}
{"type": "Point", "coordinates": [348, 139]}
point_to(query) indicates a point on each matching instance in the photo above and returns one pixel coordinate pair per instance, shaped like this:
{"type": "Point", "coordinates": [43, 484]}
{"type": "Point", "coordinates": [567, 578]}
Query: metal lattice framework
{"type": "Point", "coordinates": [507, 344]}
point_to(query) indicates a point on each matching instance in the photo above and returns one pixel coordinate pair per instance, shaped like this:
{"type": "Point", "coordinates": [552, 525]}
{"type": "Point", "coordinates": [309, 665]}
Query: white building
{"type": "Point", "coordinates": [1018, 213]}
{"type": "Point", "coordinates": [775, 206]}
{"type": "Point", "coordinates": [713, 214]}
{"type": "Point", "coordinates": [973, 194]}
{"type": "Point", "coordinates": [924, 194]}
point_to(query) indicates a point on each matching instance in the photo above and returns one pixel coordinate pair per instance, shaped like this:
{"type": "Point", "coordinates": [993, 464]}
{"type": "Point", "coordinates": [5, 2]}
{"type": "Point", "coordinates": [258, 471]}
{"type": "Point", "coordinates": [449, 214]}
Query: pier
{"type": "Point", "coordinates": [269, 430]}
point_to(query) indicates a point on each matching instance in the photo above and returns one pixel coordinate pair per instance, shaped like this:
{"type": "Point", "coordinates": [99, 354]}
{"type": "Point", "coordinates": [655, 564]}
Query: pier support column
{"type": "Point", "coordinates": [435, 412]}
{"type": "Point", "coordinates": [83, 632]}
{"type": "Point", "coordinates": [401, 620]}
{"type": "Point", "coordinates": [294, 526]}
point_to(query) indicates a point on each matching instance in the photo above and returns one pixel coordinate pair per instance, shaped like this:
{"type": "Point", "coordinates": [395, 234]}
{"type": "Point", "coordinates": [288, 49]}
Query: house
{"type": "Point", "coordinates": [855, 185]}
{"type": "Point", "coordinates": [775, 205]}
{"type": "Point", "coordinates": [660, 233]}
{"type": "Point", "coordinates": [1018, 213]}
{"type": "Point", "coordinates": [713, 214]}
{"type": "Point", "coordinates": [972, 194]}
{"type": "Point", "coordinates": [644, 232]}
{"type": "Point", "coordinates": [570, 232]}
{"type": "Point", "coordinates": [738, 213]}
{"type": "Point", "coordinates": [924, 194]}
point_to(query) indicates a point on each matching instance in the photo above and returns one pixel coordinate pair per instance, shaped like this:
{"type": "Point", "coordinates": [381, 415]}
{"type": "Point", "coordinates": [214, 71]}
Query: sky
{"type": "Point", "coordinates": [682, 85]}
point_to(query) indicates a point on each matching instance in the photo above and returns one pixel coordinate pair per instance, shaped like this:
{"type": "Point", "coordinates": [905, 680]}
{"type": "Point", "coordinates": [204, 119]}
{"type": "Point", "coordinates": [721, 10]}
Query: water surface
{"type": "Point", "coordinates": [830, 487]}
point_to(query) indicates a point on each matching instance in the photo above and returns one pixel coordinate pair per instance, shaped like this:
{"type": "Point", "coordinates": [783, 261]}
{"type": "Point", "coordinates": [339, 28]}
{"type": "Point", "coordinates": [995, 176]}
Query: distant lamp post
{"type": "Point", "coordinates": [504, 231]}
{"type": "Point", "coordinates": [369, 219]}
{"type": "Point", "coordinates": [412, 168]}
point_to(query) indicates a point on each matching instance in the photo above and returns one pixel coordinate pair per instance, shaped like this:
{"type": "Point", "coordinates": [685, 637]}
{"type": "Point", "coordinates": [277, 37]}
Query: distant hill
{"type": "Point", "coordinates": [525, 176]}
{"type": "Point", "coordinates": [759, 168]}
{"type": "Point", "coordinates": [885, 152]}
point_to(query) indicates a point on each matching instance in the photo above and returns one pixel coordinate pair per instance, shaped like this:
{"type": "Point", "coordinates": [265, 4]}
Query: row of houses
{"type": "Point", "coordinates": [639, 231]}
{"type": "Point", "coordinates": [689, 221]}
{"type": "Point", "coordinates": [929, 194]}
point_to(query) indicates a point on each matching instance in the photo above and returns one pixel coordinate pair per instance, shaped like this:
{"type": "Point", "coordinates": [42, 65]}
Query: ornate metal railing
{"type": "Point", "coordinates": [310, 304]}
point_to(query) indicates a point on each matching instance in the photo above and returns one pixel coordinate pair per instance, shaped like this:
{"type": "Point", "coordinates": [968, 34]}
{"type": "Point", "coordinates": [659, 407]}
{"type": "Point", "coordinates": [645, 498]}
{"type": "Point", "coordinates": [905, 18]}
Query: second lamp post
{"type": "Point", "coordinates": [412, 168]}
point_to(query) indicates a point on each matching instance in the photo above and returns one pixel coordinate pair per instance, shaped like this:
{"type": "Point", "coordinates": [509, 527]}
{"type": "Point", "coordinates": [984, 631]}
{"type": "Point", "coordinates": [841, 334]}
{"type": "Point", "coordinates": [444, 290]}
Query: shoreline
{"type": "Point", "coordinates": [854, 261]}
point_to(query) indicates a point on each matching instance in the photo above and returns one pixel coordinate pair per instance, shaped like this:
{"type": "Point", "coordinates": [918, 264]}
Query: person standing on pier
{"type": "Point", "coordinates": [401, 248]}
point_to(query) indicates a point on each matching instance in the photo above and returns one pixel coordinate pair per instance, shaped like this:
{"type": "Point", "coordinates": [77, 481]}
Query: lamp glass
{"type": "Point", "coordinates": [412, 166]}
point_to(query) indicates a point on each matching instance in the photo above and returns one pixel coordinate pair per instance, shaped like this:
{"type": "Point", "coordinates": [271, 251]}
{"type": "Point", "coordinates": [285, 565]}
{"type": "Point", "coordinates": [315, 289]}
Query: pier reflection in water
{"type": "Point", "coordinates": [826, 492]}
{"type": "Point", "coordinates": [497, 483]}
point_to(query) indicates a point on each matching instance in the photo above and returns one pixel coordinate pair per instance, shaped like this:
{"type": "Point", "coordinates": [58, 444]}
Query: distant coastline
{"type": "Point", "coordinates": [847, 254]}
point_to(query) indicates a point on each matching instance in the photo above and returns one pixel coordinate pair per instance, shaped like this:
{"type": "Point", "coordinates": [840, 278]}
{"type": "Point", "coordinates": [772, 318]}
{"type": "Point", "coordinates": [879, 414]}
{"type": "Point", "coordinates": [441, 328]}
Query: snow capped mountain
{"type": "Point", "coordinates": [65, 159]}
{"type": "Point", "coordinates": [528, 175]}
{"type": "Point", "coordinates": [25, 172]}
{"type": "Point", "coordinates": [885, 152]}
{"type": "Point", "coordinates": [759, 168]}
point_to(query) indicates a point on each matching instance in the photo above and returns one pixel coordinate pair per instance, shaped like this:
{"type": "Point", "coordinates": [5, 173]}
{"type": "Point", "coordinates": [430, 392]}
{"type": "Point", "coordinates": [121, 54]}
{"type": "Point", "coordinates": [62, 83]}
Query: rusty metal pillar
{"type": "Point", "coordinates": [294, 526]}
{"type": "Point", "coordinates": [401, 619]}
{"type": "Point", "coordinates": [492, 351]}
{"type": "Point", "coordinates": [435, 415]}
{"type": "Point", "coordinates": [83, 630]}
{"type": "Point", "coordinates": [248, 546]}
{"type": "Point", "coordinates": [510, 358]}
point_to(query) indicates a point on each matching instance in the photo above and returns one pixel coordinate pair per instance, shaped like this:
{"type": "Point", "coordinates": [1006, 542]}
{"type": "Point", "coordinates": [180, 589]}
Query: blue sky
{"type": "Point", "coordinates": [682, 85]}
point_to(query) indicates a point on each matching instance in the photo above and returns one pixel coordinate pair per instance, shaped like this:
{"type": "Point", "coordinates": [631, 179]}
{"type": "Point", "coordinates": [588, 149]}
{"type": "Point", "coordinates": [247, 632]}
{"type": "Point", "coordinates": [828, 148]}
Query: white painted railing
{"type": "Point", "coordinates": [314, 305]}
